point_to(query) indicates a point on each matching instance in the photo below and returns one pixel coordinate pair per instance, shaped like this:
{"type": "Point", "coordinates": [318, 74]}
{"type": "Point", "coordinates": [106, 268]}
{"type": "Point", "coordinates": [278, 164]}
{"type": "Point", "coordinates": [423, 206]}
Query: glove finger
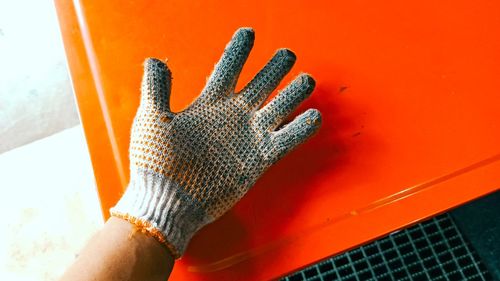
{"type": "Point", "coordinates": [156, 84]}
{"type": "Point", "coordinates": [294, 133]}
{"type": "Point", "coordinates": [262, 85]}
{"type": "Point", "coordinates": [274, 113]}
{"type": "Point", "coordinates": [223, 79]}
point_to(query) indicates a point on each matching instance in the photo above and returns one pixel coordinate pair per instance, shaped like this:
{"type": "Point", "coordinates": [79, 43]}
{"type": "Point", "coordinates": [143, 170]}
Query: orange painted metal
{"type": "Point", "coordinates": [409, 92]}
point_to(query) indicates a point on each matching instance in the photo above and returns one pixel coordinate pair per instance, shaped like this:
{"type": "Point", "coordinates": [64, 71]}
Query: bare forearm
{"type": "Point", "coordinates": [117, 252]}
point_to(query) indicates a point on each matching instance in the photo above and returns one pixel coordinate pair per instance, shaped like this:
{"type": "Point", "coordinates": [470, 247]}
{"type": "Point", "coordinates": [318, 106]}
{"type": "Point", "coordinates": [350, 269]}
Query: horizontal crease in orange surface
{"type": "Point", "coordinates": [240, 257]}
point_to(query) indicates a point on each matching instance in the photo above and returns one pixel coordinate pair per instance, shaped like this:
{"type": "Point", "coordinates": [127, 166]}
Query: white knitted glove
{"type": "Point", "coordinates": [189, 168]}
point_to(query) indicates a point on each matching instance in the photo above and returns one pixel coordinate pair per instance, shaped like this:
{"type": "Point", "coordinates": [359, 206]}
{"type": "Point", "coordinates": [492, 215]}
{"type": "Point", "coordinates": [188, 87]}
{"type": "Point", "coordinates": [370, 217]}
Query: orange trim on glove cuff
{"type": "Point", "coordinates": [148, 229]}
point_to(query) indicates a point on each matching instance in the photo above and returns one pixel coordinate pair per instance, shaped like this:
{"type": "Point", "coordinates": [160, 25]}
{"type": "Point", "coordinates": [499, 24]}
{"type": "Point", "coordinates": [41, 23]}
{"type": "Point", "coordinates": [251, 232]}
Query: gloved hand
{"type": "Point", "coordinates": [189, 168]}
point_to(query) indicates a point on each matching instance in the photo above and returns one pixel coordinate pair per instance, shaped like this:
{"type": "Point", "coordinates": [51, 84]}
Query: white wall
{"type": "Point", "coordinates": [36, 99]}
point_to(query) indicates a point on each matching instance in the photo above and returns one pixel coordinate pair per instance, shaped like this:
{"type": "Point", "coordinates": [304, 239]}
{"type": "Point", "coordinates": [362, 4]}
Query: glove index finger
{"type": "Point", "coordinates": [223, 79]}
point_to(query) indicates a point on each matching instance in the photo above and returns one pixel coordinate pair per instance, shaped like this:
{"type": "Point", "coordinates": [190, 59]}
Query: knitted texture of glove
{"type": "Point", "coordinates": [189, 168]}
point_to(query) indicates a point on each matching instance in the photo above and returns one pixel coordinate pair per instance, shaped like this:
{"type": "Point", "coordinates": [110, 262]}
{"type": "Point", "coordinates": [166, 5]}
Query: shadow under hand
{"type": "Point", "coordinates": [263, 214]}
{"type": "Point", "coordinates": [284, 188]}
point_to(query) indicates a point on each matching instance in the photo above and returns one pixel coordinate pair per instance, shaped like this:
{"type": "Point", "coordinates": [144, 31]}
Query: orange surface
{"type": "Point", "coordinates": [409, 92]}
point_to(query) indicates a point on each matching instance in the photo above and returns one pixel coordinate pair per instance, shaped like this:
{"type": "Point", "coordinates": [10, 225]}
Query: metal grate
{"type": "Point", "coordinates": [432, 250]}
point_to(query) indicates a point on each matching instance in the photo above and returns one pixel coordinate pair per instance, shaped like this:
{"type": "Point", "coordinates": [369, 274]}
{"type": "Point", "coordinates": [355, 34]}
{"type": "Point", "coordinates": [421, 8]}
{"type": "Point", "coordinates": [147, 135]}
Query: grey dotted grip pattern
{"type": "Point", "coordinates": [217, 148]}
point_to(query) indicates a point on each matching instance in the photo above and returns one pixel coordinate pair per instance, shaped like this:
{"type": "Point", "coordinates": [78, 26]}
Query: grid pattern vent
{"type": "Point", "coordinates": [432, 250]}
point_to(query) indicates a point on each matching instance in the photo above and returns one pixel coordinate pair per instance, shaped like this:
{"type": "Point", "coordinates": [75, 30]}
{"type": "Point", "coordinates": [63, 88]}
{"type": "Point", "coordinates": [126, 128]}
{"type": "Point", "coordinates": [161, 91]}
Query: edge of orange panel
{"type": "Point", "coordinates": [473, 181]}
{"type": "Point", "coordinates": [108, 176]}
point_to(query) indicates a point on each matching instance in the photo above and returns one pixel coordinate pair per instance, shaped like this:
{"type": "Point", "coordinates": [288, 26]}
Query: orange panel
{"type": "Point", "coordinates": [408, 90]}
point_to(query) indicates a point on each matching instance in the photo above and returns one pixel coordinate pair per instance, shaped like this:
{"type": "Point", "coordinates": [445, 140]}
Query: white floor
{"type": "Point", "coordinates": [48, 200]}
{"type": "Point", "coordinates": [49, 206]}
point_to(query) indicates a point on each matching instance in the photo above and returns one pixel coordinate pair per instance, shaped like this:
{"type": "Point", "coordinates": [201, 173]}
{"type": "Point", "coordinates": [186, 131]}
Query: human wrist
{"type": "Point", "coordinates": [158, 207]}
{"type": "Point", "coordinates": [118, 252]}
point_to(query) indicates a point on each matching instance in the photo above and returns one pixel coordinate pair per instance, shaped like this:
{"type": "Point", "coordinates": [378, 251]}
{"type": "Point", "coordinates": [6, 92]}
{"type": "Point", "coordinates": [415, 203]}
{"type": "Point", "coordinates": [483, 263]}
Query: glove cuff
{"type": "Point", "coordinates": [159, 207]}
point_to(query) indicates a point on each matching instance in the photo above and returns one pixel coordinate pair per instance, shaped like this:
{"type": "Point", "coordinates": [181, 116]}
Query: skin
{"type": "Point", "coordinates": [118, 252]}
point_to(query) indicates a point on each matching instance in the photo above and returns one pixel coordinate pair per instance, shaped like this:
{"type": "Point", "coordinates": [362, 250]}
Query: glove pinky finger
{"type": "Point", "coordinates": [294, 133]}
